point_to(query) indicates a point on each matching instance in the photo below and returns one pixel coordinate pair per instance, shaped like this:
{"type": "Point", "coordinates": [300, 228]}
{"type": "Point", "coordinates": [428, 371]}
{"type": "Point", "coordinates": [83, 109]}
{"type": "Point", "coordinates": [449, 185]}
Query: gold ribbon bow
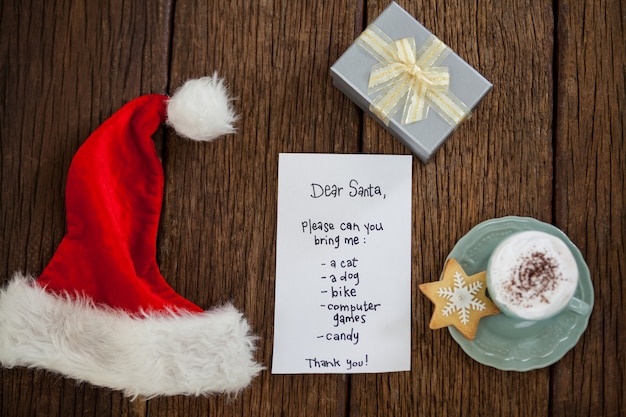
{"type": "Point", "coordinates": [407, 78]}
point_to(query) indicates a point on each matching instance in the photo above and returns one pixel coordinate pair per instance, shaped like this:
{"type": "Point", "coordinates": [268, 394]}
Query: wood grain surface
{"type": "Point", "coordinates": [546, 142]}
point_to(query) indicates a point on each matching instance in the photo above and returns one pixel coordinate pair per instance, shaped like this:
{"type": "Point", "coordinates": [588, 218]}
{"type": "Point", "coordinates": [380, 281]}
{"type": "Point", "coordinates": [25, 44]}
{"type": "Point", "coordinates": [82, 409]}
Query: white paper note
{"type": "Point", "coordinates": [343, 264]}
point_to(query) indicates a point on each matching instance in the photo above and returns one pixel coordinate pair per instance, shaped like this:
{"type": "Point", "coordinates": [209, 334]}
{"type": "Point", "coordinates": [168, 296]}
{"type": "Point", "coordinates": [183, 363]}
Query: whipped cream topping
{"type": "Point", "coordinates": [532, 274]}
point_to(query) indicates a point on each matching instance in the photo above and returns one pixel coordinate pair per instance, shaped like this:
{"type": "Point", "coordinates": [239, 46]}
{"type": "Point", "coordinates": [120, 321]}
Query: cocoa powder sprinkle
{"type": "Point", "coordinates": [536, 275]}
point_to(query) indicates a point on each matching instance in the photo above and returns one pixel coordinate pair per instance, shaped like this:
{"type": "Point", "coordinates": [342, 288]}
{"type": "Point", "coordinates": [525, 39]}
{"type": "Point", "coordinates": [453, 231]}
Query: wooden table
{"type": "Point", "coordinates": [546, 142]}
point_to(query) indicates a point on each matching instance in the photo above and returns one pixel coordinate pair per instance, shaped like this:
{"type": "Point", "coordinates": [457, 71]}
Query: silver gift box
{"type": "Point", "coordinates": [351, 74]}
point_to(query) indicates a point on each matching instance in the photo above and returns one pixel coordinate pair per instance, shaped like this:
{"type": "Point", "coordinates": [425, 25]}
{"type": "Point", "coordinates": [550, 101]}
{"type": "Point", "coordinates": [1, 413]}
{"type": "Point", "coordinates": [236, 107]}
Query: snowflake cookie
{"type": "Point", "coordinates": [460, 300]}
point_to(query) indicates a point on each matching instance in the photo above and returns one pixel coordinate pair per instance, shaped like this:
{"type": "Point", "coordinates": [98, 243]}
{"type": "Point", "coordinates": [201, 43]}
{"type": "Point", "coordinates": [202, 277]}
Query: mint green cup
{"type": "Point", "coordinates": [532, 276]}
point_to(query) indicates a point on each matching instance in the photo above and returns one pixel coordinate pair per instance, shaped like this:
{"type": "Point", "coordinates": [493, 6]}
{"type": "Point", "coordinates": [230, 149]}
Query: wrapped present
{"type": "Point", "coordinates": [409, 81]}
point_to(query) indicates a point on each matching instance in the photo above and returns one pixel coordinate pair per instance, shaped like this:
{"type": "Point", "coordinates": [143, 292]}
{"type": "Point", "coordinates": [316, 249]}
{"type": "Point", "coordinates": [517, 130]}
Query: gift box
{"type": "Point", "coordinates": [409, 81]}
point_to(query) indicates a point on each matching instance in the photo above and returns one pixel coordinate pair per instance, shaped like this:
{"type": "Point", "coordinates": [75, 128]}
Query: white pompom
{"type": "Point", "coordinates": [201, 109]}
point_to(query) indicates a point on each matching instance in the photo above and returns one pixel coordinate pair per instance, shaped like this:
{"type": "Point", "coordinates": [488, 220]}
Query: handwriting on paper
{"type": "Point", "coordinates": [354, 189]}
{"type": "Point", "coordinates": [343, 264]}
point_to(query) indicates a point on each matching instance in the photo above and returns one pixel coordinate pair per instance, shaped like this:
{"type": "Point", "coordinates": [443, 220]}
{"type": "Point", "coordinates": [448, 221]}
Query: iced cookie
{"type": "Point", "coordinates": [460, 300]}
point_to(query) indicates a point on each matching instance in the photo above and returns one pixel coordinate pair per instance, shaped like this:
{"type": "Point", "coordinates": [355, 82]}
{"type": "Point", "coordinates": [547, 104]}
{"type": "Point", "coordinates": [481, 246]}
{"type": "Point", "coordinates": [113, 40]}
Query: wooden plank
{"type": "Point", "coordinates": [590, 202]}
{"type": "Point", "coordinates": [66, 66]}
{"type": "Point", "coordinates": [219, 222]}
{"type": "Point", "coordinates": [497, 163]}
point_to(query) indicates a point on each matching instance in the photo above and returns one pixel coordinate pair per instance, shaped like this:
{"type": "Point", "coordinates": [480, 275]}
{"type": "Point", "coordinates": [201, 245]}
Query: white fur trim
{"type": "Point", "coordinates": [210, 352]}
{"type": "Point", "coordinates": [201, 109]}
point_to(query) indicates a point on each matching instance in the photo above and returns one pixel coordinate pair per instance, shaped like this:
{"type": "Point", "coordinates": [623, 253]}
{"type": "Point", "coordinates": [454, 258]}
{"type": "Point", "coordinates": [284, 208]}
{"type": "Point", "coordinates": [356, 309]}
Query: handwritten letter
{"type": "Point", "coordinates": [343, 264]}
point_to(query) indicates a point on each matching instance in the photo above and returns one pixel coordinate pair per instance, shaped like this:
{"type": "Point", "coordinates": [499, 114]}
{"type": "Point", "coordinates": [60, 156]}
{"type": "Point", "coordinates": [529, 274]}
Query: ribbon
{"type": "Point", "coordinates": [406, 77]}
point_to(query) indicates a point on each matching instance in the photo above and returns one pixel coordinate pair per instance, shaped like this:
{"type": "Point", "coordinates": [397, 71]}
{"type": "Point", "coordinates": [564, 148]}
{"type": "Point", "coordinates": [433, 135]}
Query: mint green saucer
{"type": "Point", "coordinates": [517, 345]}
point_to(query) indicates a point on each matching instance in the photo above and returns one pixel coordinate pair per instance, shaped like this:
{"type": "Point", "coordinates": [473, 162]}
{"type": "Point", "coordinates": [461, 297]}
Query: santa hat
{"type": "Point", "coordinates": [101, 311]}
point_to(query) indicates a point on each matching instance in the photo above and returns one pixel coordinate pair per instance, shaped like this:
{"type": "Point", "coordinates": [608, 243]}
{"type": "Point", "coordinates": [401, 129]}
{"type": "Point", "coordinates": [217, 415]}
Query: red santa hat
{"type": "Point", "coordinates": [101, 311]}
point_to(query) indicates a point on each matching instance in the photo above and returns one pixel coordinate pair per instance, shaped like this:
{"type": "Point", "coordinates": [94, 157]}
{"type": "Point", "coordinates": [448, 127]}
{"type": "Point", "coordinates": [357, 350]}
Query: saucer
{"type": "Point", "coordinates": [512, 344]}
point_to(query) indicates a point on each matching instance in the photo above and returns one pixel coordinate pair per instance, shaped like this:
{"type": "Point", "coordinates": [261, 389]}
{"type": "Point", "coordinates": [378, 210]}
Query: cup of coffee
{"type": "Point", "coordinates": [532, 275]}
